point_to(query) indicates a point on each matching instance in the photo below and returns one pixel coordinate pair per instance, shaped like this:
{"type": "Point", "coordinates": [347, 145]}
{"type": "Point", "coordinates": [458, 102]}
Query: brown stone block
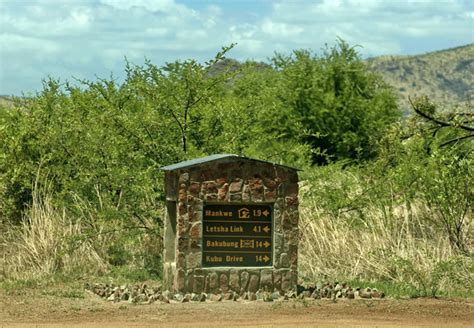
{"type": "Point", "coordinates": [222, 193]}
{"type": "Point", "coordinates": [194, 214]}
{"type": "Point", "coordinates": [211, 196]}
{"type": "Point", "coordinates": [286, 221]}
{"type": "Point", "coordinates": [193, 260]}
{"type": "Point", "coordinates": [270, 195]}
{"type": "Point", "coordinates": [196, 230]}
{"type": "Point", "coordinates": [279, 204]}
{"type": "Point", "coordinates": [280, 190]}
{"type": "Point", "coordinates": [284, 260]}
{"type": "Point", "coordinates": [190, 213]}
{"type": "Point", "coordinates": [221, 181]}
{"type": "Point", "coordinates": [194, 188]}
{"type": "Point", "coordinates": [246, 194]}
{"type": "Point", "coordinates": [209, 187]}
{"type": "Point", "coordinates": [293, 255]}
{"type": "Point", "coordinates": [182, 195]}
{"type": "Point", "coordinates": [234, 280]}
{"type": "Point", "coordinates": [270, 183]}
{"type": "Point", "coordinates": [244, 279]}
{"type": "Point", "coordinates": [256, 189]}
{"type": "Point", "coordinates": [294, 217]}
{"type": "Point", "coordinates": [253, 283]}
{"type": "Point", "coordinates": [195, 244]}
{"type": "Point", "coordinates": [291, 201]}
{"type": "Point", "coordinates": [235, 197]}
{"type": "Point", "coordinates": [182, 208]}
{"type": "Point", "coordinates": [181, 226]}
{"type": "Point", "coordinates": [293, 237]}
{"type": "Point", "coordinates": [287, 236]}
{"type": "Point", "coordinates": [224, 283]}
{"type": "Point", "coordinates": [285, 280]}
{"type": "Point", "coordinates": [213, 282]}
{"type": "Point", "coordinates": [292, 189]}
{"type": "Point", "coordinates": [236, 185]}
{"type": "Point", "coordinates": [266, 279]}
{"type": "Point", "coordinates": [182, 244]}
{"type": "Point", "coordinates": [180, 260]}
{"type": "Point", "coordinates": [207, 173]}
{"type": "Point", "coordinates": [198, 284]}
{"type": "Point", "coordinates": [184, 178]}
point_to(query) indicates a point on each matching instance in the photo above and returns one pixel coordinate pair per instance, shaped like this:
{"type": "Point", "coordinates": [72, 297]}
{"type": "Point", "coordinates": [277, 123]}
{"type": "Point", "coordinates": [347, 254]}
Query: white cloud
{"type": "Point", "coordinates": [152, 5]}
{"type": "Point", "coordinates": [89, 37]}
{"type": "Point", "coordinates": [281, 29]}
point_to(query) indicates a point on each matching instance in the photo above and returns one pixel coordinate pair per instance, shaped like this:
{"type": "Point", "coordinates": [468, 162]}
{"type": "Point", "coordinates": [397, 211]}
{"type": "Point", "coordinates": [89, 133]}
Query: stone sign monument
{"type": "Point", "coordinates": [231, 224]}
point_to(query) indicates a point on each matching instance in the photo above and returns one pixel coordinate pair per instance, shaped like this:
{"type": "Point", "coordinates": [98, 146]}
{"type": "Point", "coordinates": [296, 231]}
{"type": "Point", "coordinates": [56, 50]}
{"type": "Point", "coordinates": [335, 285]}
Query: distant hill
{"type": "Point", "coordinates": [445, 76]}
{"type": "Point", "coordinates": [6, 101]}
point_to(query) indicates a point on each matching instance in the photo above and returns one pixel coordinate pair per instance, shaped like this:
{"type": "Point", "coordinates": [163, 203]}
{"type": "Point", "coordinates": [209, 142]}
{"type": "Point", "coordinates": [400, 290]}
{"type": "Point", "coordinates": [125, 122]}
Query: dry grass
{"type": "Point", "coordinates": [46, 242]}
{"type": "Point", "coordinates": [389, 245]}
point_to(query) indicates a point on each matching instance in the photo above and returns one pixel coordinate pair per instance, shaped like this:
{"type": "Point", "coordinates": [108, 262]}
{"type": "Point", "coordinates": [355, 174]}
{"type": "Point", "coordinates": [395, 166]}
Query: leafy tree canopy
{"type": "Point", "coordinates": [102, 142]}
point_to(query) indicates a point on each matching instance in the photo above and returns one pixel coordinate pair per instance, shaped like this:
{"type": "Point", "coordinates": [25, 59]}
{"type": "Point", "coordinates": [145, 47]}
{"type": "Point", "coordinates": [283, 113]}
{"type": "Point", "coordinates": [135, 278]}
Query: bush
{"type": "Point", "coordinates": [353, 232]}
{"type": "Point", "coordinates": [405, 218]}
{"type": "Point", "coordinates": [341, 108]}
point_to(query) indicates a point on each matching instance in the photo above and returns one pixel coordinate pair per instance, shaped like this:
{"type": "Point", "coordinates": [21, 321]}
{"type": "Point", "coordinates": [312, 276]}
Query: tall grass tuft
{"type": "Point", "coordinates": [379, 242]}
{"type": "Point", "coordinates": [46, 242]}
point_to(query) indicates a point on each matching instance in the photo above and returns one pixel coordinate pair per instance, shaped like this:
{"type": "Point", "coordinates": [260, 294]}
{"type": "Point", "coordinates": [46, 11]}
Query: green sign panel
{"type": "Point", "coordinates": [237, 235]}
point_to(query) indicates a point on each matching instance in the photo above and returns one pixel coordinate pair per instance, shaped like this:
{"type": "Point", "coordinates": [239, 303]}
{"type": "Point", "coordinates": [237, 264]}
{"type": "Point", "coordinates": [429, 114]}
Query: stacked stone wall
{"type": "Point", "coordinates": [241, 182]}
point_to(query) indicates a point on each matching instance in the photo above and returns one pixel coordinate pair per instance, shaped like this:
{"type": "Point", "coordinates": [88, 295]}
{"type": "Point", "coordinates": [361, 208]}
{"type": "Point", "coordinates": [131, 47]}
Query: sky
{"type": "Point", "coordinates": [90, 39]}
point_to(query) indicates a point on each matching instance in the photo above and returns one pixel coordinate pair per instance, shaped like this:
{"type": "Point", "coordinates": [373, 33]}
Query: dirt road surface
{"type": "Point", "coordinates": [53, 311]}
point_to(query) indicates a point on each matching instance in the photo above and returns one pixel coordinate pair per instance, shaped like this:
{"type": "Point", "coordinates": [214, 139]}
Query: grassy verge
{"type": "Point", "coordinates": [377, 242]}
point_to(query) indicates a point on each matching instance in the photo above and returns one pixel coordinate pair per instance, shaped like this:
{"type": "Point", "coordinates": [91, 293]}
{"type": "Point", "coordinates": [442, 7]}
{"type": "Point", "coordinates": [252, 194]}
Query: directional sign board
{"type": "Point", "coordinates": [237, 235]}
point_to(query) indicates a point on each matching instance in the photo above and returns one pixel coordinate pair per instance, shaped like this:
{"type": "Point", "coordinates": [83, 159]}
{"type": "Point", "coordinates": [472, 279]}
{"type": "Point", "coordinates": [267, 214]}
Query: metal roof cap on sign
{"type": "Point", "coordinates": [215, 157]}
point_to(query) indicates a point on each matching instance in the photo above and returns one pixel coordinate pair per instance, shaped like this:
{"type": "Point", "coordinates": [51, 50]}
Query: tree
{"type": "Point", "coordinates": [184, 92]}
{"type": "Point", "coordinates": [447, 175]}
{"type": "Point", "coordinates": [103, 142]}
{"type": "Point", "coordinates": [341, 107]}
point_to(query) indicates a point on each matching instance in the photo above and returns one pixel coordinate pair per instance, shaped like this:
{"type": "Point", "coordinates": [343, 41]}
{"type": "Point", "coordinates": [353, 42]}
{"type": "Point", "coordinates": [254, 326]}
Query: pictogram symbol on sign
{"type": "Point", "coordinates": [244, 213]}
{"type": "Point", "coordinates": [247, 243]}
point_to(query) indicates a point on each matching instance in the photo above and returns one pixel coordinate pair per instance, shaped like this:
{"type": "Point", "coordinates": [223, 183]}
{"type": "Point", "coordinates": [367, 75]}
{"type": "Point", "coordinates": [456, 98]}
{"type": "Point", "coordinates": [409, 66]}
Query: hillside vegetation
{"type": "Point", "coordinates": [446, 76]}
{"type": "Point", "coordinates": [383, 200]}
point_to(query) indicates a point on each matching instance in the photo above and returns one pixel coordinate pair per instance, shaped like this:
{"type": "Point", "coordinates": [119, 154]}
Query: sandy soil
{"type": "Point", "coordinates": [53, 311]}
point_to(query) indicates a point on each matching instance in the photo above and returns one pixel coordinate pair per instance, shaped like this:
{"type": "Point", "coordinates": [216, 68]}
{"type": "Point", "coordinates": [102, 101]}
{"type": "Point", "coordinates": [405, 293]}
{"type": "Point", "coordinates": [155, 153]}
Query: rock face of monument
{"type": "Point", "coordinates": [231, 225]}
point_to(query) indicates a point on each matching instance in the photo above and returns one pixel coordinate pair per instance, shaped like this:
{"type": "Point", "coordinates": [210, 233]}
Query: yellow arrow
{"type": "Point", "coordinates": [266, 258]}
{"type": "Point", "coordinates": [266, 243]}
{"type": "Point", "coordinates": [265, 213]}
{"type": "Point", "coordinates": [266, 229]}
